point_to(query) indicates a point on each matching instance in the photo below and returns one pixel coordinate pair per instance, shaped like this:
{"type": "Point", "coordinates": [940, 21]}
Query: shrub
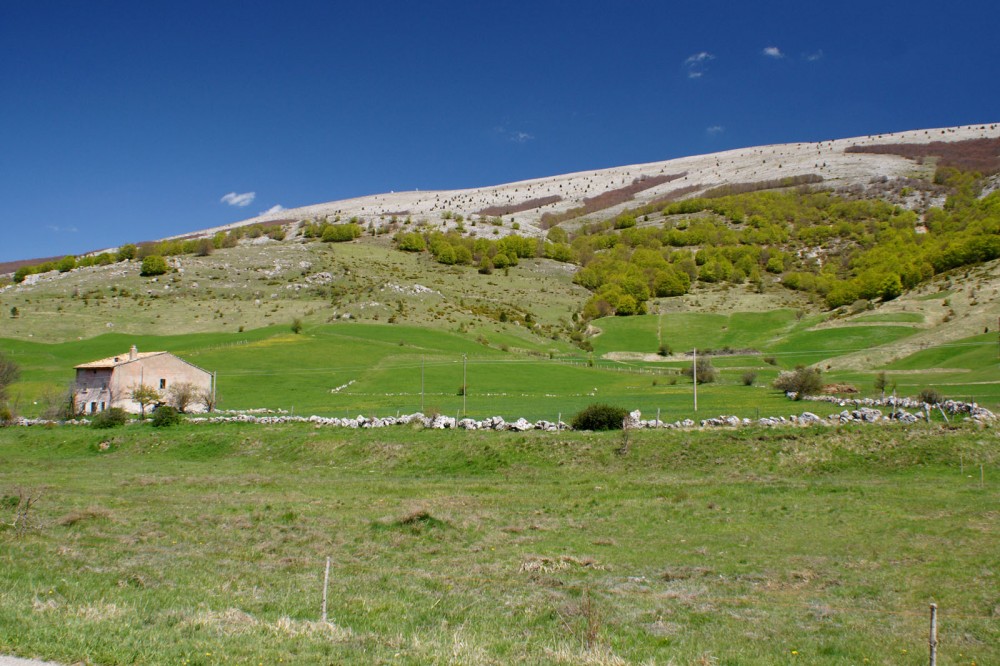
{"type": "Point", "coordinates": [931, 396]}
{"type": "Point", "coordinates": [296, 326]}
{"type": "Point", "coordinates": [600, 417]}
{"type": "Point", "coordinates": [154, 264]}
{"type": "Point", "coordinates": [706, 371]}
{"type": "Point", "coordinates": [802, 382]}
{"type": "Point", "coordinates": [165, 416]}
{"type": "Point", "coordinates": [110, 418]}
{"type": "Point", "coordinates": [749, 377]}
{"type": "Point", "coordinates": [339, 233]}
{"type": "Point", "coordinates": [411, 242]}
{"type": "Point", "coordinates": [664, 350]}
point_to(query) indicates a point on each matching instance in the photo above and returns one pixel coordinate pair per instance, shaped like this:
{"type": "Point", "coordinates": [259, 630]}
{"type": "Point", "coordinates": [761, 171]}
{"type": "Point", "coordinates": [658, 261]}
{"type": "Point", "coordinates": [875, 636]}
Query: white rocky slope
{"type": "Point", "coordinates": [827, 159]}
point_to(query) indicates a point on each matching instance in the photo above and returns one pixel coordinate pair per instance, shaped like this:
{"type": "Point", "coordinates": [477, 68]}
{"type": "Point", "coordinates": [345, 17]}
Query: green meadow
{"type": "Point", "coordinates": [207, 545]}
{"type": "Point", "coordinates": [376, 369]}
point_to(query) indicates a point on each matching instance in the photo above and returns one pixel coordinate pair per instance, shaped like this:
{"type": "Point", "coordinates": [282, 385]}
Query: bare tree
{"type": "Point", "coordinates": [182, 396]}
{"type": "Point", "coordinates": [20, 503]}
{"type": "Point", "coordinates": [144, 395]}
{"type": "Point", "coordinates": [207, 397]}
{"type": "Point", "coordinates": [10, 372]}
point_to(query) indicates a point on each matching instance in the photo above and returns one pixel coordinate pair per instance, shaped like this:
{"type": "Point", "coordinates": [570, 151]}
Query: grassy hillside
{"type": "Point", "coordinates": [202, 545]}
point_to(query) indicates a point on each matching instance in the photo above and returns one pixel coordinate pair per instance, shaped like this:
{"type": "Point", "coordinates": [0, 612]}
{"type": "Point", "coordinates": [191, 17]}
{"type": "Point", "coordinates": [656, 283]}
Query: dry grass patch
{"type": "Point", "coordinates": [536, 564]}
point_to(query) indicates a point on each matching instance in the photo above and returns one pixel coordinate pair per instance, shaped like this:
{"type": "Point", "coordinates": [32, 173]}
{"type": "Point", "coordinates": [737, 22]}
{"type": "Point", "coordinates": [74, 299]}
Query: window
{"type": "Point", "coordinates": [163, 384]}
{"type": "Point", "coordinates": [93, 407]}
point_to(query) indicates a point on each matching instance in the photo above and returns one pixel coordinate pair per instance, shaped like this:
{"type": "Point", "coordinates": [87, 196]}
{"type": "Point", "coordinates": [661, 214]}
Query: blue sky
{"type": "Point", "coordinates": [128, 121]}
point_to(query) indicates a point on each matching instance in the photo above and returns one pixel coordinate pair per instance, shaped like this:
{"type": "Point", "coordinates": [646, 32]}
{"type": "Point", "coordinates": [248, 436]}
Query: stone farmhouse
{"type": "Point", "coordinates": [109, 382]}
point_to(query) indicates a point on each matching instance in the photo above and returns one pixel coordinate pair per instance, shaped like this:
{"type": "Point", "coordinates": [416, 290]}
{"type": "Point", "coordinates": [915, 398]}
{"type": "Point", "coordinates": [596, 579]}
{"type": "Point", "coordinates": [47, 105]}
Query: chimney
{"type": "Point", "coordinates": [133, 353]}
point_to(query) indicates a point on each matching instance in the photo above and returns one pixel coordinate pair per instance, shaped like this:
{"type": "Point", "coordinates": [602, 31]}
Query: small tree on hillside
{"type": "Point", "coordinates": [182, 396]}
{"type": "Point", "coordinates": [144, 395]}
{"type": "Point", "coordinates": [154, 264]}
{"type": "Point", "coordinates": [10, 372]}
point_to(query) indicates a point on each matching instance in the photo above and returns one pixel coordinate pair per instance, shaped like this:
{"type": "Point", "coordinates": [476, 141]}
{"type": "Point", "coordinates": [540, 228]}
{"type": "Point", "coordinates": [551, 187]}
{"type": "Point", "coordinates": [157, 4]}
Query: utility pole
{"type": "Point", "coordinates": [465, 385]}
{"type": "Point", "coordinates": [421, 383]}
{"type": "Point", "coordinates": [694, 374]}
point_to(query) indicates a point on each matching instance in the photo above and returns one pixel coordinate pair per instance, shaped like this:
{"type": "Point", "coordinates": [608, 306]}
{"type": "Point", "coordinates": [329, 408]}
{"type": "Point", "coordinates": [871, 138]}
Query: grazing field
{"type": "Point", "coordinates": [378, 369]}
{"type": "Point", "coordinates": [206, 545]}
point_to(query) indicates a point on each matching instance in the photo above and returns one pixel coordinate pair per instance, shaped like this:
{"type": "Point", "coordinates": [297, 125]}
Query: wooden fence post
{"type": "Point", "coordinates": [933, 637]}
{"type": "Point", "coordinates": [326, 585]}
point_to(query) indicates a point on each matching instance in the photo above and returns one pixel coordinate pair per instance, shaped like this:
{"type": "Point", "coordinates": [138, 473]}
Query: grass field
{"type": "Point", "coordinates": [206, 545]}
{"type": "Point", "coordinates": [376, 369]}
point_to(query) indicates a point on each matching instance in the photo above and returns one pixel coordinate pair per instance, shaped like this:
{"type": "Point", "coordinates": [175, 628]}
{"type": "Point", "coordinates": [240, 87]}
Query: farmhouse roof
{"type": "Point", "coordinates": [121, 359]}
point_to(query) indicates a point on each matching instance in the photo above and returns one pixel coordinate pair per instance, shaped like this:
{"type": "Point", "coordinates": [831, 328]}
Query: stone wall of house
{"type": "Point", "coordinates": [160, 372]}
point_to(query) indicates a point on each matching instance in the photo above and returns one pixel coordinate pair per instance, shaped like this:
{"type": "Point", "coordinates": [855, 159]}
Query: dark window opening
{"type": "Point", "coordinates": [163, 384]}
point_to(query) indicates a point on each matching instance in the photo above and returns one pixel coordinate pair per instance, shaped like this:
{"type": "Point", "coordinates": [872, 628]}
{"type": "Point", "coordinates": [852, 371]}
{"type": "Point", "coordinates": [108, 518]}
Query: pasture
{"type": "Point", "coordinates": [206, 545]}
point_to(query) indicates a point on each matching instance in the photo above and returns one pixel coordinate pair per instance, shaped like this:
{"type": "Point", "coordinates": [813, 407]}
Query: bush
{"type": "Point", "coordinates": [154, 264]}
{"type": "Point", "coordinates": [931, 396]}
{"type": "Point", "coordinates": [706, 371]}
{"type": "Point", "coordinates": [339, 233]}
{"type": "Point", "coordinates": [165, 416]}
{"type": "Point", "coordinates": [802, 382]}
{"type": "Point", "coordinates": [749, 377]}
{"type": "Point", "coordinates": [296, 326]}
{"type": "Point", "coordinates": [110, 418]}
{"type": "Point", "coordinates": [600, 417]}
{"type": "Point", "coordinates": [664, 350]}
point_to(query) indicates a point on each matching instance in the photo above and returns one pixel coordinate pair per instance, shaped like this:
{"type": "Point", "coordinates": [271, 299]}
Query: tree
{"type": "Point", "coordinates": [10, 372]}
{"type": "Point", "coordinates": [208, 398]}
{"type": "Point", "coordinates": [154, 264]}
{"type": "Point", "coordinates": [144, 395]}
{"type": "Point", "coordinates": [802, 382]}
{"type": "Point", "coordinates": [127, 252]}
{"type": "Point", "coordinates": [296, 326]}
{"type": "Point", "coordinates": [14, 312]}
{"type": "Point", "coordinates": [182, 396]}
{"type": "Point", "coordinates": [706, 371]}
{"type": "Point", "coordinates": [339, 233]}
{"type": "Point", "coordinates": [881, 382]}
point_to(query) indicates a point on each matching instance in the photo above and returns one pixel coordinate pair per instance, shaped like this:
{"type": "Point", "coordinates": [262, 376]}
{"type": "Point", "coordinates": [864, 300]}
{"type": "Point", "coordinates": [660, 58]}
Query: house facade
{"type": "Point", "coordinates": [109, 382]}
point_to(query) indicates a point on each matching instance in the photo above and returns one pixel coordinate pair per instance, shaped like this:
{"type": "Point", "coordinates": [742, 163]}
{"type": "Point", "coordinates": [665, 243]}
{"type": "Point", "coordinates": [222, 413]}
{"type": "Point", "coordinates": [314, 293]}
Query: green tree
{"type": "Point", "coordinates": [153, 264]}
{"type": "Point", "coordinates": [127, 252]}
{"type": "Point", "coordinates": [411, 242]}
{"type": "Point", "coordinates": [339, 233]}
{"type": "Point", "coordinates": [144, 395]}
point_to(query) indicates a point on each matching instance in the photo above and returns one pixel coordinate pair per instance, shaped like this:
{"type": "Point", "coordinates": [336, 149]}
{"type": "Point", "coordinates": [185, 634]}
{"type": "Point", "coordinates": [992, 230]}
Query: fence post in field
{"type": "Point", "coordinates": [933, 637]}
{"type": "Point", "coordinates": [326, 585]}
{"type": "Point", "coordinates": [694, 374]}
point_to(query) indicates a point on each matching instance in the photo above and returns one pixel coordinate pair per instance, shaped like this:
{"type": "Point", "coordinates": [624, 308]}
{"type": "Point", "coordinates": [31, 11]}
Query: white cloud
{"type": "Point", "coordinates": [277, 208]}
{"type": "Point", "coordinates": [240, 200]}
{"type": "Point", "coordinates": [520, 137]}
{"type": "Point", "coordinates": [61, 230]}
{"type": "Point", "coordinates": [773, 52]}
{"type": "Point", "coordinates": [813, 57]}
{"type": "Point", "coordinates": [695, 64]}
{"type": "Point", "coordinates": [715, 130]}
